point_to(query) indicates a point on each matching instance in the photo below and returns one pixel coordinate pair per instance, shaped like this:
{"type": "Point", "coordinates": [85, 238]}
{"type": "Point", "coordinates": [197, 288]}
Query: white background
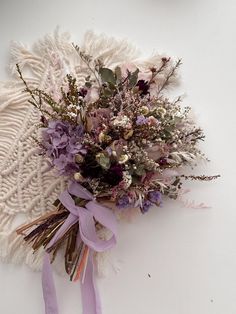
{"type": "Point", "coordinates": [190, 254]}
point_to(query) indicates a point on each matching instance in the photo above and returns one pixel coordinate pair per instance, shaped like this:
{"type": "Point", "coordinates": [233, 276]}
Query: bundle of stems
{"type": "Point", "coordinates": [40, 232]}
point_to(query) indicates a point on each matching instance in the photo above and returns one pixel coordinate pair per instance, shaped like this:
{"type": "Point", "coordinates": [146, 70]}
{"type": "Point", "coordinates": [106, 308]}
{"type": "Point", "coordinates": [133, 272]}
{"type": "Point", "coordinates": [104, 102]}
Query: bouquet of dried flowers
{"type": "Point", "coordinates": [118, 141]}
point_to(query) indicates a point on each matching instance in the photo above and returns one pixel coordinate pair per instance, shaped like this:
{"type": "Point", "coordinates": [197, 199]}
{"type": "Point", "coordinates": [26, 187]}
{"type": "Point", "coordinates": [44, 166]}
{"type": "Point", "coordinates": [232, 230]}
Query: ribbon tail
{"type": "Point", "coordinates": [89, 293]}
{"type": "Point", "coordinates": [49, 292]}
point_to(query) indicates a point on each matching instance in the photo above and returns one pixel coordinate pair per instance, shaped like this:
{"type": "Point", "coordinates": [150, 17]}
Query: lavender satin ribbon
{"type": "Point", "coordinates": [87, 233]}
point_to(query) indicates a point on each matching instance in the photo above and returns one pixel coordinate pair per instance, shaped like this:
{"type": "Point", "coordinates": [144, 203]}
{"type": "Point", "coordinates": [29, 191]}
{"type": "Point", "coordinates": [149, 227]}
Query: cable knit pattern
{"type": "Point", "coordinates": [28, 185]}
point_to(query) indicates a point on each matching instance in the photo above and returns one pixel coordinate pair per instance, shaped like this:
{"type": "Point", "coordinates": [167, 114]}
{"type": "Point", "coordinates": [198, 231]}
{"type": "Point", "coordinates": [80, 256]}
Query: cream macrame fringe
{"type": "Point", "coordinates": [28, 186]}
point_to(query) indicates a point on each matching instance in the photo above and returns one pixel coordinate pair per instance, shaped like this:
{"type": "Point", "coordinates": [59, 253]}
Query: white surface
{"type": "Point", "coordinates": [190, 254]}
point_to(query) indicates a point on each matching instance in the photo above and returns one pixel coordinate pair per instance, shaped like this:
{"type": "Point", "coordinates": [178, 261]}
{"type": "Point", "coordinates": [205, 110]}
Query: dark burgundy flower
{"type": "Point", "coordinates": [114, 175]}
{"type": "Point", "coordinates": [162, 161]}
{"type": "Point", "coordinates": [83, 92]}
{"type": "Point", "coordinates": [143, 87]}
{"type": "Point", "coordinates": [90, 167]}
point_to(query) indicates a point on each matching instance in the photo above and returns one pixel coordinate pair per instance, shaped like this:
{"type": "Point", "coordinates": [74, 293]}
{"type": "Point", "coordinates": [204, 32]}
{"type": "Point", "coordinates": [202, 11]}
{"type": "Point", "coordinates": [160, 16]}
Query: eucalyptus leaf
{"type": "Point", "coordinates": [118, 74]}
{"type": "Point", "coordinates": [103, 160]}
{"type": "Point", "coordinates": [133, 78]}
{"type": "Point", "coordinates": [178, 120]}
{"type": "Point", "coordinates": [140, 171]}
{"type": "Point", "coordinates": [111, 86]}
{"type": "Point", "coordinates": [107, 92]}
{"type": "Point", "coordinates": [107, 75]}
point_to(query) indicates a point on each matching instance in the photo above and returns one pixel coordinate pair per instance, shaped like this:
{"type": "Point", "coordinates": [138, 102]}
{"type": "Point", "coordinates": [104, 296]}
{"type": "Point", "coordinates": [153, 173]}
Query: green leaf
{"type": "Point", "coordinates": [111, 86]}
{"type": "Point", "coordinates": [178, 120]}
{"type": "Point", "coordinates": [103, 160]}
{"type": "Point", "coordinates": [107, 75]}
{"type": "Point", "coordinates": [107, 92]}
{"type": "Point", "coordinates": [118, 74]}
{"type": "Point", "coordinates": [140, 171]}
{"type": "Point", "coordinates": [133, 79]}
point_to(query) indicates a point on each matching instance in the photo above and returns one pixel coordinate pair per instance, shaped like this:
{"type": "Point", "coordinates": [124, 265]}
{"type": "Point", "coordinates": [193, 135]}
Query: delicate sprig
{"type": "Point", "coordinates": [200, 177]}
{"type": "Point", "coordinates": [171, 74]}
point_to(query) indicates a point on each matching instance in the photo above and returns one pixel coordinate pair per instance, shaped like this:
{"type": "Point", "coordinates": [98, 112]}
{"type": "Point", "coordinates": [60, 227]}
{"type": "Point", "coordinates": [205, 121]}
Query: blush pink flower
{"type": "Point", "coordinates": [92, 95]}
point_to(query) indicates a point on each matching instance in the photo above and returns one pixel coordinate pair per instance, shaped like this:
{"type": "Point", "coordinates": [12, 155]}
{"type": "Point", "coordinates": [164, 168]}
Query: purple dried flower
{"type": "Point", "coordinates": [62, 142]}
{"type": "Point", "coordinates": [77, 130]}
{"type": "Point", "coordinates": [155, 197]}
{"type": "Point", "coordinates": [141, 120]}
{"type": "Point", "coordinates": [123, 201]}
{"type": "Point", "coordinates": [146, 206]}
{"type": "Point", "coordinates": [57, 126]}
{"type": "Point", "coordinates": [61, 162]}
{"type": "Point", "coordinates": [74, 147]}
{"type": "Point", "coordinates": [59, 141]}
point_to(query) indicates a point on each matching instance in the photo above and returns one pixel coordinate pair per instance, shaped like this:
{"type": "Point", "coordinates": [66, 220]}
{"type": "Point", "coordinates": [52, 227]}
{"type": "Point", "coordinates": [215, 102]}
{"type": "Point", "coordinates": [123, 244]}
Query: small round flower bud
{"type": "Point", "coordinates": [101, 137]}
{"type": "Point", "coordinates": [79, 158]}
{"type": "Point", "coordinates": [161, 111]}
{"type": "Point", "coordinates": [144, 110]}
{"type": "Point", "coordinates": [123, 159]}
{"type": "Point", "coordinates": [78, 177]}
{"type": "Point", "coordinates": [128, 134]}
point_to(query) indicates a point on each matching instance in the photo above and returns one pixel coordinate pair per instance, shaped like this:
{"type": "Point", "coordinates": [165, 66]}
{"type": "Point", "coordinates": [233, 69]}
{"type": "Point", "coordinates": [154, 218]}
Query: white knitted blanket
{"type": "Point", "coordinates": [28, 186]}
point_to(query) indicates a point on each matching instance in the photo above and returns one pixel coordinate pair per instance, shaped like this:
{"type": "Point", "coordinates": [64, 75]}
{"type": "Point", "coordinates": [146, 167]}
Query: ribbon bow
{"type": "Point", "coordinates": [87, 233]}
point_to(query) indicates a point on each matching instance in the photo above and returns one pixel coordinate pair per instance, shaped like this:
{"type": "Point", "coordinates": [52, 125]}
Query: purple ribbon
{"type": "Point", "coordinates": [87, 233]}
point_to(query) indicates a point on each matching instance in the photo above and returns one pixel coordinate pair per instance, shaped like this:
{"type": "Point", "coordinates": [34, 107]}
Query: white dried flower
{"type": "Point", "coordinates": [123, 159]}
{"type": "Point", "coordinates": [127, 180]}
{"type": "Point", "coordinates": [79, 158]}
{"type": "Point", "coordinates": [78, 177]}
{"type": "Point", "coordinates": [144, 110]}
{"type": "Point", "coordinates": [122, 121]}
{"type": "Point", "coordinates": [72, 114]}
{"type": "Point", "coordinates": [161, 111]}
